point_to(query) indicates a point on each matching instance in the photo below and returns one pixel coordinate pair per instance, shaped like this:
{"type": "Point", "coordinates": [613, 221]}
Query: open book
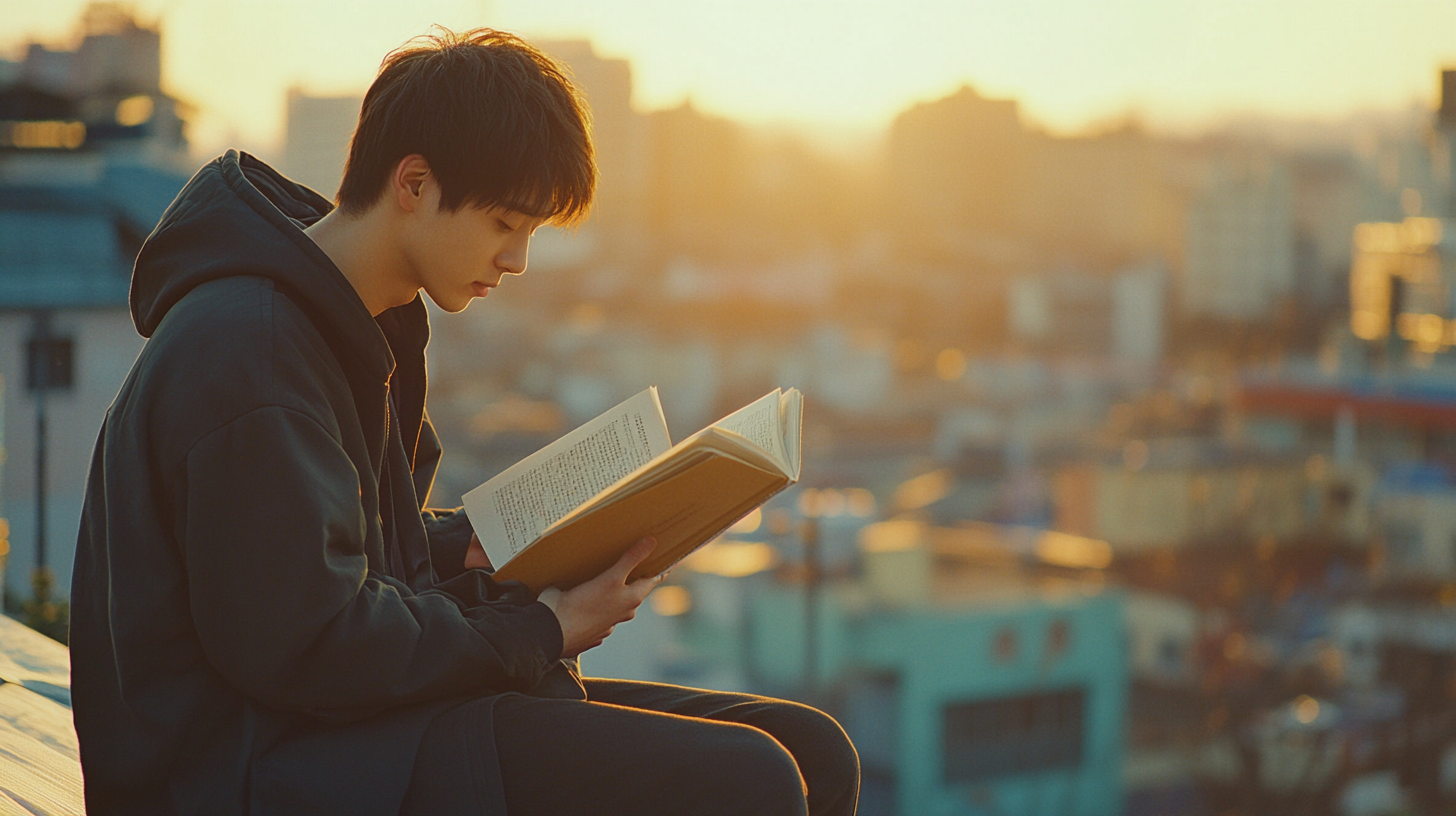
{"type": "Point", "coordinates": [566, 513]}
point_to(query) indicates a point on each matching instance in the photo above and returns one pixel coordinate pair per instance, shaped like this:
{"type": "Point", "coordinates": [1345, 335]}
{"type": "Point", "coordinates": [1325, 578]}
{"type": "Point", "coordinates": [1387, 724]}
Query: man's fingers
{"type": "Point", "coordinates": [642, 587]}
{"type": "Point", "coordinates": [631, 558]}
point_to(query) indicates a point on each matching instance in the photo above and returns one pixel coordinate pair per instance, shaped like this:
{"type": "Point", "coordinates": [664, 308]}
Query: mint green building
{"type": "Point", "coordinates": [981, 694]}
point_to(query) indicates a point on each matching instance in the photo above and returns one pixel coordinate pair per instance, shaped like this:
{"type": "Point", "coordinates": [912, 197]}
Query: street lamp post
{"type": "Point", "coordinates": [48, 367]}
{"type": "Point", "coordinates": [39, 377]}
{"type": "Point", "coordinates": [809, 533]}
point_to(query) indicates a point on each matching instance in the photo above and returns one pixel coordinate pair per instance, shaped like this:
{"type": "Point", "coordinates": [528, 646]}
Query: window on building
{"type": "Point", "coordinates": [1005, 647]}
{"type": "Point", "coordinates": [1170, 655]}
{"type": "Point", "coordinates": [49, 363]}
{"type": "Point", "coordinates": [1059, 637]}
{"type": "Point", "coordinates": [1013, 735]}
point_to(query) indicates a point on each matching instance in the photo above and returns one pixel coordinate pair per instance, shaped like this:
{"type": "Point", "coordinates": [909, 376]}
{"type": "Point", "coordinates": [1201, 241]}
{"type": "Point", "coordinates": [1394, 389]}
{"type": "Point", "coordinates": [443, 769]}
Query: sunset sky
{"type": "Point", "coordinates": [839, 67]}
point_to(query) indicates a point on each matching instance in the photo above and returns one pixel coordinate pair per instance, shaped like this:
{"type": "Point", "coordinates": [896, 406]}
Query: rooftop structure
{"type": "Point", "coordinates": [963, 681]}
{"type": "Point", "coordinates": [105, 95]}
{"type": "Point", "coordinates": [1400, 282]}
{"type": "Point", "coordinates": [91, 153]}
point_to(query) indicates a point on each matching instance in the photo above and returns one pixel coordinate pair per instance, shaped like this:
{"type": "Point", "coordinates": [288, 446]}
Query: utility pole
{"type": "Point", "coordinates": [40, 376]}
{"type": "Point", "coordinates": [48, 367]}
{"type": "Point", "coordinates": [809, 533]}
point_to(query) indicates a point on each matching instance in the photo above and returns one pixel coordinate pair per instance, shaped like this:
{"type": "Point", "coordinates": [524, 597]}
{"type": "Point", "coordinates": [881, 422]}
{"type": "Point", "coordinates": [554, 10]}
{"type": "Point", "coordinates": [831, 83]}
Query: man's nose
{"type": "Point", "coordinates": [512, 260]}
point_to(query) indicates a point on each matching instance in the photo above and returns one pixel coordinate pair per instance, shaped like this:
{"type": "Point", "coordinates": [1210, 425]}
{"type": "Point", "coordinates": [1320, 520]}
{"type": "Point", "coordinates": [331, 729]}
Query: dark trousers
{"type": "Point", "coordinates": [638, 749]}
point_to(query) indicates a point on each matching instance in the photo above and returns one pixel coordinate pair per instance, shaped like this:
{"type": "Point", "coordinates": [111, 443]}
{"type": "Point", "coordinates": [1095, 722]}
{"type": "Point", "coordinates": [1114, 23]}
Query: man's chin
{"type": "Point", "coordinates": [450, 305]}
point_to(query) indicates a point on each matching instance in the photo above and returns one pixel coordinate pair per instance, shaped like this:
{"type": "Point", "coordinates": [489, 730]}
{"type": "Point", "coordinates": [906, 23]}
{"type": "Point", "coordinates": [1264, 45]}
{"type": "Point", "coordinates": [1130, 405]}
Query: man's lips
{"type": "Point", "coordinates": [481, 289]}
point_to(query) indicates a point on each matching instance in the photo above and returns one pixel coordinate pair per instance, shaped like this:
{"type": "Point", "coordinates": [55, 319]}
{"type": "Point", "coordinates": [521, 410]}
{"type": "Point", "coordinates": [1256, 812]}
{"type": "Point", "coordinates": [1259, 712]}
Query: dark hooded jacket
{"type": "Point", "coordinates": [264, 619]}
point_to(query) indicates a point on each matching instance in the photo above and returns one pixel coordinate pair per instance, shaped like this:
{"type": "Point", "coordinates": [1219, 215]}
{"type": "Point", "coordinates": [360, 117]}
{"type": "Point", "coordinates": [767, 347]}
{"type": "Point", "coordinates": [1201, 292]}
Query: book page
{"type": "Point", "coordinates": [510, 511]}
{"type": "Point", "coordinates": [793, 424]}
{"type": "Point", "coordinates": [760, 423]}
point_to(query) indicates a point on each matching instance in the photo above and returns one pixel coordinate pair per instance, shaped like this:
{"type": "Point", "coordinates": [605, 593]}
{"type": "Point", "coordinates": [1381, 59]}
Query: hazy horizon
{"type": "Point", "coordinates": [1074, 66]}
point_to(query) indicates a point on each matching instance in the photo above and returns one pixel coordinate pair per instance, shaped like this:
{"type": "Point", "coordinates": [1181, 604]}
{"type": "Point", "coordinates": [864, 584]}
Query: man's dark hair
{"type": "Point", "coordinates": [497, 120]}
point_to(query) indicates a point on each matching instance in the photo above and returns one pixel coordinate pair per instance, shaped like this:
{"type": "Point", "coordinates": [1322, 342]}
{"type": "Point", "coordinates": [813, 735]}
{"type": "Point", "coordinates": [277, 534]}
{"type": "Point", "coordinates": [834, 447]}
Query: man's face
{"type": "Point", "coordinates": [462, 255]}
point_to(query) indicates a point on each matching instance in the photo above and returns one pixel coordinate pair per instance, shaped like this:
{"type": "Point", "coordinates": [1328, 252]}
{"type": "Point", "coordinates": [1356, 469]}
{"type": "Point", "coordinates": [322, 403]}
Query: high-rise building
{"type": "Point", "coordinates": [1330, 196]}
{"type": "Point", "coordinates": [1107, 199]}
{"type": "Point", "coordinates": [970, 182]}
{"type": "Point", "coordinates": [698, 180]}
{"type": "Point", "coordinates": [620, 135]}
{"type": "Point", "coordinates": [956, 169]}
{"type": "Point", "coordinates": [1240, 241]}
{"type": "Point", "coordinates": [1446, 127]}
{"type": "Point", "coordinates": [316, 139]}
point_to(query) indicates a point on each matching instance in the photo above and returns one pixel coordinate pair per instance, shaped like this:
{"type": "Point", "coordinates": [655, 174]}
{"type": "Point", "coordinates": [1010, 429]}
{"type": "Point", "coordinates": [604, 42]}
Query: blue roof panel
{"type": "Point", "coordinates": [73, 247]}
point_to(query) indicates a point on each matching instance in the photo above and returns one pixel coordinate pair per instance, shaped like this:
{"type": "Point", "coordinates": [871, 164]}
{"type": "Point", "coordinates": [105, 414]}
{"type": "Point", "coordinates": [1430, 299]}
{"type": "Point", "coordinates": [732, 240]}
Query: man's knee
{"type": "Point", "coordinates": [756, 774]}
{"type": "Point", "coordinates": [830, 734]}
{"type": "Point", "coordinates": [825, 755]}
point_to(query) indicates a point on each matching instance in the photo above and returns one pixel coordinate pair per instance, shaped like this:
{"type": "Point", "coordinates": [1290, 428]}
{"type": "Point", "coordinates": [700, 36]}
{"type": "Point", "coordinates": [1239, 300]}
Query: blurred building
{"type": "Point", "coordinates": [1163, 633]}
{"type": "Point", "coordinates": [957, 169]}
{"type": "Point", "coordinates": [1400, 282]}
{"type": "Point", "coordinates": [967, 682]}
{"type": "Point", "coordinates": [620, 135]}
{"type": "Point", "coordinates": [66, 340]}
{"type": "Point", "coordinates": [1446, 131]}
{"type": "Point", "coordinates": [971, 182]}
{"type": "Point", "coordinates": [1066, 311]}
{"type": "Point", "coordinates": [697, 181]}
{"type": "Point", "coordinates": [1111, 199]}
{"type": "Point", "coordinates": [1139, 315]}
{"type": "Point", "coordinates": [1119, 317]}
{"type": "Point", "coordinates": [103, 97]}
{"type": "Point", "coordinates": [1166, 496]}
{"type": "Point", "coordinates": [966, 685]}
{"type": "Point", "coordinates": [91, 153]}
{"type": "Point", "coordinates": [1415, 510]}
{"type": "Point", "coordinates": [1331, 193]}
{"type": "Point", "coordinates": [1395, 723]}
{"type": "Point", "coordinates": [316, 139]}
{"type": "Point", "coordinates": [1240, 242]}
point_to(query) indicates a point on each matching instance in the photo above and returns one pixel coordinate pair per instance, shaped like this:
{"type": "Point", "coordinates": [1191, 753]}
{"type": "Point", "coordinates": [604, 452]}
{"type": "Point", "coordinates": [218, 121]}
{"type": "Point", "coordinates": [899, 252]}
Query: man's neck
{"type": "Point", "coordinates": [362, 247]}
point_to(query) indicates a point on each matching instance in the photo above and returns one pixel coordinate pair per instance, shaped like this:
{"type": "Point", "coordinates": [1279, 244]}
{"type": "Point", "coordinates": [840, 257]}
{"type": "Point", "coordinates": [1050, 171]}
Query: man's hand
{"type": "Point", "coordinates": [590, 611]}
{"type": "Point", "coordinates": [475, 557]}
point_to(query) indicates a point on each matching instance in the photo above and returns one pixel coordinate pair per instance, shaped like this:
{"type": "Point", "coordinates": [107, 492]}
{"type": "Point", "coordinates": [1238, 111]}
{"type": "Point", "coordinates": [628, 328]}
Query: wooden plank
{"type": "Point", "coordinates": [40, 766]}
{"type": "Point", "coordinates": [30, 659]}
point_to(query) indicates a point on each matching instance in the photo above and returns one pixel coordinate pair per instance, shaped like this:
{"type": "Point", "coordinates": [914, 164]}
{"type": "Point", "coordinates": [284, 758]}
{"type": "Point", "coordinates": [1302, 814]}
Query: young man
{"type": "Point", "coordinates": [265, 620]}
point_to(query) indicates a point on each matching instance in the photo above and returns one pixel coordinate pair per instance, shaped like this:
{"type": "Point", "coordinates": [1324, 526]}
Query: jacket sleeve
{"type": "Point", "coordinates": [449, 532]}
{"type": "Point", "coordinates": [285, 606]}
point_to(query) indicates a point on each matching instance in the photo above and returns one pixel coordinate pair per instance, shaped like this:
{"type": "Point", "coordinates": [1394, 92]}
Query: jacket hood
{"type": "Point", "coordinates": [238, 216]}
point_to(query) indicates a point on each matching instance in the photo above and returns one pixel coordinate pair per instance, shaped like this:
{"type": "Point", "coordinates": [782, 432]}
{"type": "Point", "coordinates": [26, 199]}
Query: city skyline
{"type": "Point", "coordinates": [1073, 65]}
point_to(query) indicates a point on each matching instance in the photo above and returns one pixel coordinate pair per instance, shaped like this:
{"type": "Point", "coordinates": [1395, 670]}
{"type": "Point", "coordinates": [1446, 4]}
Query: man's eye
{"type": "Point", "coordinates": [505, 226]}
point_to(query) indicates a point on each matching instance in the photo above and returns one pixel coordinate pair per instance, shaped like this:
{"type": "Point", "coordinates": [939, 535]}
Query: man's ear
{"type": "Point", "coordinates": [409, 180]}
